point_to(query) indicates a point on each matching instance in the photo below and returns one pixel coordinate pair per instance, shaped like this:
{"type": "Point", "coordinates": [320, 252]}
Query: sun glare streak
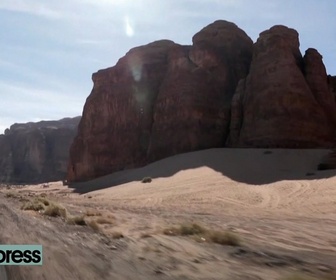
{"type": "Point", "coordinates": [128, 28]}
{"type": "Point", "coordinates": [135, 64]}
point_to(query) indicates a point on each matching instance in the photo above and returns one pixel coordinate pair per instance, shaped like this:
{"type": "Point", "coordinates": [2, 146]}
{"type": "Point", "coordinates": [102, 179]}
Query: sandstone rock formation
{"type": "Point", "coordinates": [163, 98]}
{"type": "Point", "coordinates": [36, 152]}
{"type": "Point", "coordinates": [332, 84]}
{"type": "Point", "coordinates": [192, 110]}
{"type": "Point", "coordinates": [285, 100]}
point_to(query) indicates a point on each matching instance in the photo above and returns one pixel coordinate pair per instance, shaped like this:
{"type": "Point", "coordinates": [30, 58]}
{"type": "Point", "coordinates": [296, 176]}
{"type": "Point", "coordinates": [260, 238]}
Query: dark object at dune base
{"type": "Point", "coordinates": [329, 162]}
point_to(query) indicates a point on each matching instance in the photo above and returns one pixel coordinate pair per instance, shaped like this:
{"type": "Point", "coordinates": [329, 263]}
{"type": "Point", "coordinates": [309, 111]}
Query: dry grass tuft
{"type": "Point", "coordinates": [117, 235]}
{"type": "Point", "coordinates": [76, 220]}
{"type": "Point", "coordinates": [145, 235]}
{"type": "Point", "coordinates": [224, 238]}
{"type": "Point", "coordinates": [93, 224]}
{"type": "Point", "coordinates": [33, 205]}
{"type": "Point", "coordinates": [12, 194]}
{"type": "Point", "coordinates": [43, 200]}
{"type": "Point", "coordinates": [103, 220]}
{"type": "Point", "coordinates": [92, 213]}
{"type": "Point", "coordinates": [193, 229]}
{"type": "Point", "coordinates": [37, 204]}
{"type": "Point", "coordinates": [55, 210]}
{"type": "Point", "coordinates": [203, 234]}
{"type": "Point", "coordinates": [187, 229]}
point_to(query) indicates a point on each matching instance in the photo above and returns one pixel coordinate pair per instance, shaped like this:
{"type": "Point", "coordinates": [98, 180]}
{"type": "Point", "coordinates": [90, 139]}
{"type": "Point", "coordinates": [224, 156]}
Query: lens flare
{"type": "Point", "coordinates": [128, 27]}
{"type": "Point", "coordinates": [135, 65]}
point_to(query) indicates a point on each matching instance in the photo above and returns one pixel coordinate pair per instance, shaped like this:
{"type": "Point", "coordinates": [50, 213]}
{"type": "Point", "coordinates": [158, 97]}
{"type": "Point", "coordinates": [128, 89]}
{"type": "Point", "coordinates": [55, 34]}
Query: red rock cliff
{"type": "Point", "coordinates": [192, 110]}
{"type": "Point", "coordinates": [159, 100]}
{"type": "Point", "coordinates": [163, 98]}
{"type": "Point", "coordinates": [36, 152]}
{"type": "Point", "coordinates": [285, 100]}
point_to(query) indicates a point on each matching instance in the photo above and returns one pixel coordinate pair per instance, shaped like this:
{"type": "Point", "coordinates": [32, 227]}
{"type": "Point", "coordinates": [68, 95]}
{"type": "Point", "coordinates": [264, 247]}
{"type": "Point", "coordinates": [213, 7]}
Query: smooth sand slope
{"type": "Point", "coordinates": [248, 185]}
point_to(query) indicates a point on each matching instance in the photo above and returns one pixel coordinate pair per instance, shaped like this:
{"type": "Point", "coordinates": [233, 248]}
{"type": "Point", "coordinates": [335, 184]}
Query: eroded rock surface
{"type": "Point", "coordinates": [159, 100]}
{"type": "Point", "coordinates": [163, 99]}
{"type": "Point", "coordinates": [285, 100]}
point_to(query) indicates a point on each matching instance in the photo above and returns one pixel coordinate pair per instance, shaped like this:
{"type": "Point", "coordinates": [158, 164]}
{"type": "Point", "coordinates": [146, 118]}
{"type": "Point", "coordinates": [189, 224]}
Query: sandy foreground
{"type": "Point", "coordinates": [275, 201]}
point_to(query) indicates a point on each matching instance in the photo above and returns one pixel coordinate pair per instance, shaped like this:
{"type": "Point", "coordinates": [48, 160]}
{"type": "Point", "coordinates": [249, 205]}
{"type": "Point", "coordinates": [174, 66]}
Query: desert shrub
{"type": "Point", "coordinates": [145, 235]}
{"type": "Point", "coordinates": [146, 180]}
{"type": "Point", "coordinates": [55, 210]}
{"type": "Point", "coordinates": [33, 205]}
{"type": "Point", "coordinates": [43, 200]}
{"type": "Point", "coordinates": [12, 194]}
{"type": "Point", "coordinates": [91, 213]}
{"type": "Point", "coordinates": [117, 235]}
{"type": "Point", "coordinates": [185, 229]}
{"type": "Point", "coordinates": [192, 229]}
{"type": "Point", "coordinates": [103, 220]}
{"type": "Point", "coordinates": [76, 220]}
{"type": "Point", "coordinates": [93, 224]}
{"type": "Point", "coordinates": [202, 234]}
{"type": "Point", "coordinates": [224, 238]}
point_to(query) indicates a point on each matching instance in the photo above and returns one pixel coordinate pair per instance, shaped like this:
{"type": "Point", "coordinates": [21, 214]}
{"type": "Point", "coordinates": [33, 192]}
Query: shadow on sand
{"type": "Point", "coordinates": [250, 166]}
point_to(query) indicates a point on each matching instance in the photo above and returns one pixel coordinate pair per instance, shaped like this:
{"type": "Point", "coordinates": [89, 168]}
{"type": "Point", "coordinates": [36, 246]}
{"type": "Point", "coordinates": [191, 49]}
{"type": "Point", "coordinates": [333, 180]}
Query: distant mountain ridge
{"type": "Point", "coordinates": [36, 152]}
{"type": "Point", "coordinates": [62, 123]}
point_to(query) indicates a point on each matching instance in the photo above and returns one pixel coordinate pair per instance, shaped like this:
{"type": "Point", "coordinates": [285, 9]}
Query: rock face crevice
{"type": "Point", "coordinates": [163, 99]}
{"type": "Point", "coordinates": [36, 152]}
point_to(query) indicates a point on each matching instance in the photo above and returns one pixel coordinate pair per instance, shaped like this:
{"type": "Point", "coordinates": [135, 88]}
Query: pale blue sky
{"type": "Point", "coordinates": [50, 48]}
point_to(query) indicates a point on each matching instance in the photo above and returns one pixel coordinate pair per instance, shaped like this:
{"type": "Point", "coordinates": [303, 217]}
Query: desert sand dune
{"type": "Point", "coordinates": [274, 200]}
{"type": "Point", "coordinates": [250, 166]}
{"type": "Point", "coordinates": [270, 196]}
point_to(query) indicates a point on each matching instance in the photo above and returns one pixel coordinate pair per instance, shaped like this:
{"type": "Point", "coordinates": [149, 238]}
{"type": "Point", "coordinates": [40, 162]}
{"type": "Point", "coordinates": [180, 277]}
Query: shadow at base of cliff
{"type": "Point", "coordinates": [250, 166]}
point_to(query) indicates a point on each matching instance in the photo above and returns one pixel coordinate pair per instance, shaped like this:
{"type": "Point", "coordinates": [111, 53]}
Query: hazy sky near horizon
{"type": "Point", "coordinates": [50, 48]}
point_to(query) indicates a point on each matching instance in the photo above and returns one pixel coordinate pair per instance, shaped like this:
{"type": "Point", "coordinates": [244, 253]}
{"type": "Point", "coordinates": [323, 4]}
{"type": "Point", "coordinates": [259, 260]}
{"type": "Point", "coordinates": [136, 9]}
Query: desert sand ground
{"type": "Point", "coordinates": [275, 201]}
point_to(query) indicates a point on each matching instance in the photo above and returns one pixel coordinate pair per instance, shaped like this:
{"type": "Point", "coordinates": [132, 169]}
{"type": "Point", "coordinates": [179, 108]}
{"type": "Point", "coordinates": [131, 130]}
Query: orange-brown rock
{"type": "Point", "coordinates": [36, 152]}
{"type": "Point", "coordinates": [163, 98]}
{"type": "Point", "coordinates": [159, 100]}
{"type": "Point", "coordinates": [285, 101]}
{"type": "Point", "coordinates": [115, 128]}
{"type": "Point", "coordinates": [192, 110]}
{"type": "Point", "coordinates": [332, 84]}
